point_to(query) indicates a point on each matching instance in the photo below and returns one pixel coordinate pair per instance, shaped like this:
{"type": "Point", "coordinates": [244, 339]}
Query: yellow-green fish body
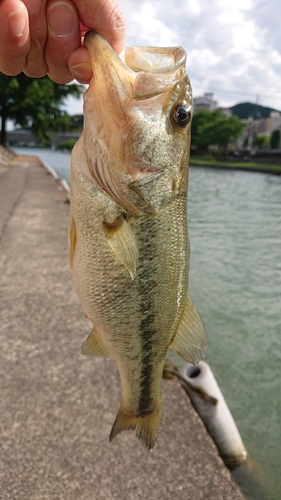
{"type": "Point", "coordinates": [128, 229]}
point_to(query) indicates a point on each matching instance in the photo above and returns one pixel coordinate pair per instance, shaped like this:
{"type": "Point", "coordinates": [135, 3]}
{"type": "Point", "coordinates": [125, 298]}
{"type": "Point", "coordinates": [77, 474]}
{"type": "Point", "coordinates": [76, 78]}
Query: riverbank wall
{"type": "Point", "coordinates": [57, 407]}
{"type": "Point", "coordinates": [273, 169]}
{"type": "Point", "coordinates": [6, 156]}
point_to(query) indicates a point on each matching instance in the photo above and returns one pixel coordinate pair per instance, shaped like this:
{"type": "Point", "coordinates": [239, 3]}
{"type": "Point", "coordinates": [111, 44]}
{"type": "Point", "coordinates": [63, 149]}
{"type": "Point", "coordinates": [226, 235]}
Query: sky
{"type": "Point", "coordinates": [233, 46]}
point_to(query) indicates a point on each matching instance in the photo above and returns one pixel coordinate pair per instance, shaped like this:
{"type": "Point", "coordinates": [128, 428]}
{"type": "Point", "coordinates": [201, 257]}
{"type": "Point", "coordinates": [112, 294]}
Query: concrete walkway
{"type": "Point", "coordinates": [56, 406]}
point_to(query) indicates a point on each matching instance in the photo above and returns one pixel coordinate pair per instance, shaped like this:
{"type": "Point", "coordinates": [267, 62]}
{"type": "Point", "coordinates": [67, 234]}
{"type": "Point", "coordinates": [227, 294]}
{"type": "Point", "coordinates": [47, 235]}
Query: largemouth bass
{"type": "Point", "coordinates": [129, 246]}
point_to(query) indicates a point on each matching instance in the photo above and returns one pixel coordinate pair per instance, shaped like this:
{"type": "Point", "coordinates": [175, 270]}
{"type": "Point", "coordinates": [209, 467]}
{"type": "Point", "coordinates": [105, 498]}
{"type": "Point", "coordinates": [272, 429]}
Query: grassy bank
{"type": "Point", "coordinates": [271, 168]}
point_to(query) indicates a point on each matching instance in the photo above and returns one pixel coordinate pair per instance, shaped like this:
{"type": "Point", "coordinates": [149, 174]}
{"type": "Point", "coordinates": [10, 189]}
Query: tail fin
{"type": "Point", "coordinates": [146, 425]}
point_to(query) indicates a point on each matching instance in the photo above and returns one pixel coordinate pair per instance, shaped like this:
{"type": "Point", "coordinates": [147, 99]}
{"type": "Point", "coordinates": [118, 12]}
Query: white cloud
{"type": "Point", "coordinates": [238, 5]}
{"type": "Point", "coordinates": [74, 106]}
{"type": "Point", "coordinates": [234, 48]}
{"type": "Point", "coordinates": [145, 28]}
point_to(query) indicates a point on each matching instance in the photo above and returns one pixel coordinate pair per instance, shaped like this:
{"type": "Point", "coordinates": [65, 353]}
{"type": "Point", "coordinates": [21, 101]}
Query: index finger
{"type": "Point", "coordinates": [14, 37]}
{"type": "Point", "coordinates": [106, 18]}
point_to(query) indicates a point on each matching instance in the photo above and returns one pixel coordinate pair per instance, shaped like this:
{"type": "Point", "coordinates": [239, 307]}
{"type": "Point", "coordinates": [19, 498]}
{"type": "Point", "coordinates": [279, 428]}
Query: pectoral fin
{"type": "Point", "coordinates": [92, 346]}
{"type": "Point", "coordinates": [190, 339]}
{"type": "Point", "coordinates": [72, 240]}
{"type": "Point", "coordinates": [123, 243]}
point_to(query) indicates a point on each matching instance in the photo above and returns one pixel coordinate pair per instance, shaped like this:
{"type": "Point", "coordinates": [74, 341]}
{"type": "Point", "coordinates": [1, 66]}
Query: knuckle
{"type": "Point", "coordinates": [36, 66]}
{"type": "Point", "coordinates": [118, 20]}
{"type": "Point", "coordinates": [33, 73]}
{"type": "Point", "coordinates": [59, 73]}
{"type": "Point", "coordinates": [11, 66]}
{"type": "Point", "coordinates": [61, 78]}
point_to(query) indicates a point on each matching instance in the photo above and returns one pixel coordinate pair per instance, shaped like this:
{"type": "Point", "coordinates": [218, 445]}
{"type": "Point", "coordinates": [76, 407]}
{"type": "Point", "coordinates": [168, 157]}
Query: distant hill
{"type": "Point", "coordinates": [246, 109]}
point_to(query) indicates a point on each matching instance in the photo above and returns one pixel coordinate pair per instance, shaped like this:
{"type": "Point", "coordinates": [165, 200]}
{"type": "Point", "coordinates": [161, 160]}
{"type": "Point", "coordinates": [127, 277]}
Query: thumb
{"type": "Point", "coordinates": [106, 18]}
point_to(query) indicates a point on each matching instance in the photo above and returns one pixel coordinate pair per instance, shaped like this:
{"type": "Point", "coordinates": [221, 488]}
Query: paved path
{"type": "Point", "coordinates": [56, 406]}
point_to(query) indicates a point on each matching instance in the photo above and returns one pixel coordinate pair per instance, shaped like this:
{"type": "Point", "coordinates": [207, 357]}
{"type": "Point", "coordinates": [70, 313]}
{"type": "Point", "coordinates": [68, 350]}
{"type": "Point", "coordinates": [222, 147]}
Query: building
{"type": "Point", "coordinates": [205, 102]}
{"type": "Point", "coordinates": [21, 137]}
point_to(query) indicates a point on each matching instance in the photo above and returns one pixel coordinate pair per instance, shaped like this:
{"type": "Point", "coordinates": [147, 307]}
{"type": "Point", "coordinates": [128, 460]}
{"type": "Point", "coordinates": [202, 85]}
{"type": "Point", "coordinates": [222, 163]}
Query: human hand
{"type": "Point", "coordinates": [42, 37]}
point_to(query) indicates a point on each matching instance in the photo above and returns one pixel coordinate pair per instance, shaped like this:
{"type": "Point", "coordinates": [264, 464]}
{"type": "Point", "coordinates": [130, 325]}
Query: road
{"type": "Point", "coordinates": [57, 407]}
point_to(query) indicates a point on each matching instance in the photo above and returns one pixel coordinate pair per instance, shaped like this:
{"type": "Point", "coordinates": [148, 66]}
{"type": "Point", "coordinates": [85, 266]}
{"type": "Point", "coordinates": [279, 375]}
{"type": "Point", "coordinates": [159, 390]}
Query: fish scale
{"type": "Point", "coordinates": [128, 228]}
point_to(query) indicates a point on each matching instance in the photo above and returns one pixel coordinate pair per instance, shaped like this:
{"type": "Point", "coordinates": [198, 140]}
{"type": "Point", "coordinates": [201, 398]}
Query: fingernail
{"type": "Point", "coordinates": [17, 22]}
{"type": "Point", "coordinates": [82, 72]}
{"type": "Point", "coordinates": [61, 19]}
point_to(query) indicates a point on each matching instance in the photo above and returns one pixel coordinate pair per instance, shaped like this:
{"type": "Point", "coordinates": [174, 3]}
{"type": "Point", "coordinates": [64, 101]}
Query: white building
{"type": "Point", "coordinates": [205, 102]}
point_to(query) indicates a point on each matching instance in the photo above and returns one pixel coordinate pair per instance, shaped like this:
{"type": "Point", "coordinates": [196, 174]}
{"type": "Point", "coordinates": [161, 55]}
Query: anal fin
{"type": "Point", "coordinates": [92, 346]}
{"type": "Point", "coordinates": [122, 241]}
{"type": "Point", "coordinates": [190, 340]}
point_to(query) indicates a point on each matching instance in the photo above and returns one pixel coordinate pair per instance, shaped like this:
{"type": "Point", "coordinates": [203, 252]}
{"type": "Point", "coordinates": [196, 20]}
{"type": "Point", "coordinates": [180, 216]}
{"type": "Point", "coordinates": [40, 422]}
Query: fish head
{"type": "Point", "coordinates": [137, 120]}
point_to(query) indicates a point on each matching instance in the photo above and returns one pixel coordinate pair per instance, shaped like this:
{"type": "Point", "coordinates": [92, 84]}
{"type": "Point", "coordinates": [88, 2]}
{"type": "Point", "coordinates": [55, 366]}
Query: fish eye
{"type": "Point", "coordinates": [181, 115]}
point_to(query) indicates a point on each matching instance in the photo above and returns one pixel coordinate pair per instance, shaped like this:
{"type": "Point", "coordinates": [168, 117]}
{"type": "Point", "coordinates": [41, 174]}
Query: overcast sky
{"type": "Point", "coordinates": [233, 46]}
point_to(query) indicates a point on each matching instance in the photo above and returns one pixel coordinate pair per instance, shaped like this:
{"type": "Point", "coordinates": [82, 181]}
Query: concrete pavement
{"type": "Point", "coordinates": [56, 406]}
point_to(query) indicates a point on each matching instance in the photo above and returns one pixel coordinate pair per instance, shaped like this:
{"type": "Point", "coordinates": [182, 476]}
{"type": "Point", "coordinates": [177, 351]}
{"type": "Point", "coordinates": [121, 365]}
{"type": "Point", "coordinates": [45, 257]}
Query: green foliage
{"type": "Point", "coordinates": [275, 139]}
{"type": "Point", "coordinates": [35, 104]}
{"type": "Point", "coordinates": [77, 122]}
{"type": "Point", "coordinates": [214, 128]}
{"type": "Point", "coordinates": [260, 141]}
{"type": "Point", "coordinates": [69, 144]}
{"type": "Point", "coordinates": [241, 165]}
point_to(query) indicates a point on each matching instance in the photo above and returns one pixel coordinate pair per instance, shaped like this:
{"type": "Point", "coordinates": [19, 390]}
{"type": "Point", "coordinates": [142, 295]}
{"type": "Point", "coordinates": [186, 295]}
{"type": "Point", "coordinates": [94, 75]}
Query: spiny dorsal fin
{"type": "Point", "coordinates": [190, 340]}
{"type": "Point", "coordinates": [92, 346]}
{"type": "Point", "coordinates": [122, 241]}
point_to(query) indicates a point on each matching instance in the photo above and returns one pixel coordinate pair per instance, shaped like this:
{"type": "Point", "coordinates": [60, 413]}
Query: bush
{"type": "Point", "coordinates": [261, 141]}
{"type": "Point", "coordinates": [275, 139]}
{"type": "Point", "coordinates": [69, 144]}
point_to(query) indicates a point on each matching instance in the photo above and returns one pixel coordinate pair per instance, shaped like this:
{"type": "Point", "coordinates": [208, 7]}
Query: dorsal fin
{"type": "Point", "coordinates": [190, 340]}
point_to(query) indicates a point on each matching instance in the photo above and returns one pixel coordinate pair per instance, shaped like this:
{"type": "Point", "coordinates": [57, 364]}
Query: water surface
{"type": "Point", "coordinates": [235, 282]}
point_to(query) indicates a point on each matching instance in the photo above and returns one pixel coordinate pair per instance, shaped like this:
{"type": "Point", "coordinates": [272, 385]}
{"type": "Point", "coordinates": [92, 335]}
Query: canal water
{"type": "Point", "coordinates": [235, 282]}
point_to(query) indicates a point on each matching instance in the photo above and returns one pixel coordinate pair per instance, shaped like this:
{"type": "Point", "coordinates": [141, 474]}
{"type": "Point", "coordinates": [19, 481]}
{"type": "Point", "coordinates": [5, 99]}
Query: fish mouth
{"type": "Point", "coordinates": [157, 69]}
{"type": "Point", "coordinates": [118, 94]}
{"type": "Point", "coordinates": [150, 71]}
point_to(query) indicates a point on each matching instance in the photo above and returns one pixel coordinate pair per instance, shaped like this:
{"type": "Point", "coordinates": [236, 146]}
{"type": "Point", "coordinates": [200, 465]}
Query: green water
{"type": "Point", "coordinates": [235, 282]}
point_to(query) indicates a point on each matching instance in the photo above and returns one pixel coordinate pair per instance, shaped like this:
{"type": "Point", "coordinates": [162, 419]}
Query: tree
{"type": "Point", "coordinates": [275, 139]}
{"type": "Point", "coordinates": [35, 104]}
{"type": "Point", "coordinates": [216, 129]}
{"type": "Point", "coordinates": [199, 120]}
{"type": "Point", "coordinates": [260, 141]}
